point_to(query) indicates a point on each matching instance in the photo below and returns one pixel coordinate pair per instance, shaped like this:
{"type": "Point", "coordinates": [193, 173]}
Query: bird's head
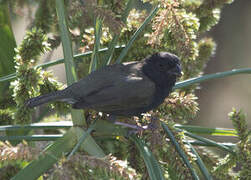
{"type": "Point", "coordinates": [162, 67]}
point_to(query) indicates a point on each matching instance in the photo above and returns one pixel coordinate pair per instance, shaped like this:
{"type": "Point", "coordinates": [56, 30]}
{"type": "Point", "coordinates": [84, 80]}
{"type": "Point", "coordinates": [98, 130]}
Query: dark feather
{"type": "Point", "coordinates": [122, 89]}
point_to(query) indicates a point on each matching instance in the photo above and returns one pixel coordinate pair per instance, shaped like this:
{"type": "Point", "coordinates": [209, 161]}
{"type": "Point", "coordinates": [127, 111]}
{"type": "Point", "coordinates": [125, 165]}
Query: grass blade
{"type": "Point", "coordinates": [66, 43]}
{"type": "Point", "coordinates": [200, 143]}
{"type": "Point", "coordinates": [208, 131]}
{"type": "Point", "coordinates": [209, 141]}
{"type": "Point", "coordinates": [46, 159]}
{"type": "Point", "coordinates": [135, 35]}
{"type": "Point", "coordinates": [82, 138]}
{"type": "Point", "coordinates": [97, 32]}
{"type": "Point", "coordinates": [180, 151]}
{"type": "Point", "coordinates": [218, 75]}
{"type": "Point", "coordinates": [8, 77]}
{"type": "Point", "coordinates": [200, 164]}
{"type": "Point", "coordinates": [46, 137]}
{"type": "Point", "coordinates": [114, 41]}
{"type": "Point", "coordinates": [71, 76]}
{"type": "Point", "coordinates": [7, 46]}
{"type": "Point", "coordinates": [111, 49]}
{"type": "Point", "coordinates": [153, 168]}
{"type": "Point", "coordinates": [47, 125]}
{"type": "Point", "coordinates": [77, 116]}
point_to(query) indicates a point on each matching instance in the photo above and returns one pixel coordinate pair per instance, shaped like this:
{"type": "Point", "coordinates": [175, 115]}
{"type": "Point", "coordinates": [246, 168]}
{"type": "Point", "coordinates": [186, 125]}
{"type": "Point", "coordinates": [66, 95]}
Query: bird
{"type": "Point", "coordinates": [126, 89]}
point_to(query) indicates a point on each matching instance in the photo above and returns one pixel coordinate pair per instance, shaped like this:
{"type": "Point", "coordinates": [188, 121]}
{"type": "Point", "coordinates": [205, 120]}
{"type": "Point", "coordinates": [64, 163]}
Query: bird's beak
{"type": "Point", "coordinates": [177, 71]}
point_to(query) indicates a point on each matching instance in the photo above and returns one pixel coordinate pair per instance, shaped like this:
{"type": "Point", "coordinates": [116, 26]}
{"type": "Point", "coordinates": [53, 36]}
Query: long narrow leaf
{"type": "Point", "coordinates": [47, 125]}
{"type": "Point", "coordinates": [32, 138]}
{"type": "Point", "coordinates": [71, 76]}
{"type": "Point", "coordinates": [82, 138]}
{"type": "Point", "coordinates": [66, 42]}
{"type": "Point", "coordinates": [135, 35]}
{"type": "Point", "coordinates": [208, 131]}
{"type": "Point", "coordinates": [7, 45]}
{"type": "Point", "coordinates": [200, 164]}
{"type": "Point", "coordinates": [200, 143]}
{"type": "Point", "coordinates": [218, 75]}
{"type": "Point", "coordinates": [8, 77]}
{"type": "Point", "coordinates": [77, 116]}
{"type": "Point", "coordinates": [179, 150]}
{"type": "Point", "coordinates": [209, 141]}
{"type": "Point", "coordinates": [114, 41]}
{"type": "Point", "coordinates": [153, 168]}
{"type": "Point", "coordinates": [52, 154]}
{"type": "Point", "coordinates": [97, 31]}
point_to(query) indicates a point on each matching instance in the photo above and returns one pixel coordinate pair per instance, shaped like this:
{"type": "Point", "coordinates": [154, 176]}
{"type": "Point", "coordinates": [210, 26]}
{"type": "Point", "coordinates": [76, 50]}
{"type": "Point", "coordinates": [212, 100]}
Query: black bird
{"type": "Point", "coordinates": [127, 89]}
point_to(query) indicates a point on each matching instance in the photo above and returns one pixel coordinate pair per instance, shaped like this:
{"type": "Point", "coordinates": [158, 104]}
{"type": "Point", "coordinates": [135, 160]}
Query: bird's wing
{"type": "Point", "coordinates": [116, 88]}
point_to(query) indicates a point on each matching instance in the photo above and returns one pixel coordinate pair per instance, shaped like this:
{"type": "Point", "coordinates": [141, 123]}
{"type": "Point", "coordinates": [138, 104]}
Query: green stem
{"type": "Point", "coordinates": [71, 75]}
{"type": "Point", "coordinates": [66, 42]}
{"type": "Point", "coordinates": [195, 80]}
{"type": "Point", "coordinates": [77, 116]}
{"type": "Point", "coordinates": [200, 164]}
{"type": "Point", "coordinates": [32, 138]}
{"type": "Point", "coordinates": [153, 168]}
{"type": "Point", "coordinates": [209, 141]}
{"type": "Point", "coordinates": [50, 125]}
{"type": "Point", "coordinates": [82, 138]}
{"type": "Point", "coordinates": [180, 150]}
{"type": "Point", "coordinates": [98, 33]}
{"type": "Point", "coordinates": [208, 131]}
{"type": "Point", "coordinates": [200, 143]}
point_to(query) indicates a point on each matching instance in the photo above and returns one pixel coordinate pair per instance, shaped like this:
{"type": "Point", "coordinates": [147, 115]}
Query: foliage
{"type": "Point", "coordinates": [7, 53]}
{"type": "Point", "coordinates": [178, 26]}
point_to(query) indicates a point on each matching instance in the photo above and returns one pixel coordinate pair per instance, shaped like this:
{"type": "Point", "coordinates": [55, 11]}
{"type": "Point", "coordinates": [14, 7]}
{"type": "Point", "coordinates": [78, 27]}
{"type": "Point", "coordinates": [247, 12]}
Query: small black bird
{"type": "Point", "coordinates": [127, 89]}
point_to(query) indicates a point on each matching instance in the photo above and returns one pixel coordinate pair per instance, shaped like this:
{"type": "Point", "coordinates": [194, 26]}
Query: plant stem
{"type": "Point", "coordinates": [195, 80]}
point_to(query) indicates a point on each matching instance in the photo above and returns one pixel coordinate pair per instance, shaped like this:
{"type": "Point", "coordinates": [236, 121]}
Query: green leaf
{"type": "Point", "coordinates": [47, 125]}
{"type": "Point", "coordinates": [66, 42]}
{"type": "Point", "coordinates": [52, 137]}
{"type": "Point", "coordinates": [209, 142]}
{"type": "Point", "coordinates": [7, 45]}
{"type": "Point", "coordinates": [77, 116]}
{"type": "Point", "coordinates": [135, 35]}
{"type": "Point", "coordinates": [208, 131]}
{"type": "Point", "coordinates": [200, 143]}
{"type": "Point", "coordinates": [55, 151]}
{"type": "Point", "coordinates": [82, 138]}
{"type": "Point", "coordinates": [218, 75]}
{"type": "Point", "coordinates": [114, 41]}
{"type": "Point", "coordinates": [98, 33]}
{"type": "Point", "coordinates": [47, 158]}
{"type": "Point", "coordinates": [180, 150]}
{"type": "Point", "coordinates": [200, 164]}
{"type": "Point", "coordinates": [153, 168]}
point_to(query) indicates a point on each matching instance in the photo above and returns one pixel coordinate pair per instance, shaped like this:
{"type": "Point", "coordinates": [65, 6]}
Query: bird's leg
{"type": "Point", "coordinates": [153, 125]}
{"type": "Point", "coordinates": [130, 125]}
{"type": "Point", "coordinates": [112, 118]}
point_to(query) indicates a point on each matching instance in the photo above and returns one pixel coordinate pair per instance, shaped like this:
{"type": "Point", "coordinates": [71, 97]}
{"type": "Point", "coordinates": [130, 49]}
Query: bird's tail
{"type": "Point", "coordinates": [39, 100]}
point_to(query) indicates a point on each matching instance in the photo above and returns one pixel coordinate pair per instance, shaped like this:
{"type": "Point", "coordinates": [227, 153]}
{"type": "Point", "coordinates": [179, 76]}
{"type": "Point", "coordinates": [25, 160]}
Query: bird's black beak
{"type": "Point", "coordinates": [177, 71]}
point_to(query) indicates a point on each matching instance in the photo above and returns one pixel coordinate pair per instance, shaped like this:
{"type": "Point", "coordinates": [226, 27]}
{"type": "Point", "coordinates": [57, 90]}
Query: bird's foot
{"type": "Point", "coordinates": [112, 118]}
